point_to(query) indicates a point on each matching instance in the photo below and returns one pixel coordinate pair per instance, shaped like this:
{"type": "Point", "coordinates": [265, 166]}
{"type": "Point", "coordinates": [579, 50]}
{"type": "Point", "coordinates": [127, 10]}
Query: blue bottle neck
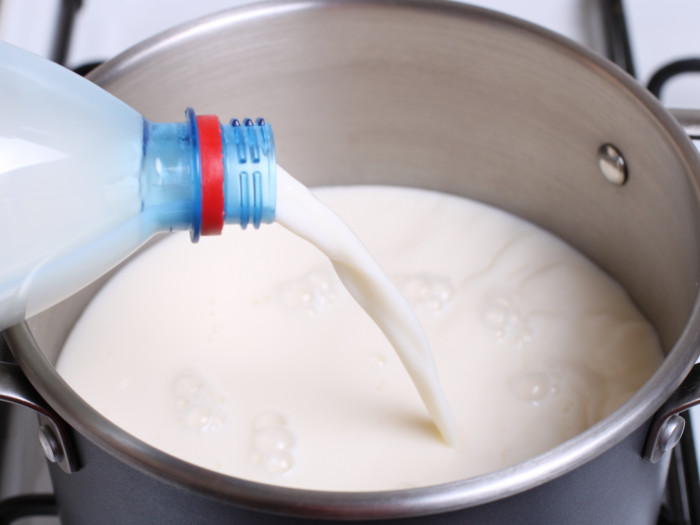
{"type": "Point", "coordinates": [172, 175]}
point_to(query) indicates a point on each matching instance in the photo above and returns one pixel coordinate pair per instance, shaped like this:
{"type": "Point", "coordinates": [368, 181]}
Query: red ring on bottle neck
{"type": "Point", "coordinates": [211, 155]}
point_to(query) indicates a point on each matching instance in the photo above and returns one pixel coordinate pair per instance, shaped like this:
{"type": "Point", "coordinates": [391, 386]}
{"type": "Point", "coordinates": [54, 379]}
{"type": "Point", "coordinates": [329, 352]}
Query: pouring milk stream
{"type": "Point", "coordinates": [301, 213]}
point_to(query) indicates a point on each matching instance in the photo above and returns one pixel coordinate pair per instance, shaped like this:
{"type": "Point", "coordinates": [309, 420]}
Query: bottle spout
{"type": "Point", "coordinates": [250, 181]}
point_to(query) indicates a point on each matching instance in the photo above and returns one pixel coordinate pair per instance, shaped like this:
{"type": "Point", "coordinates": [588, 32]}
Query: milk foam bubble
{"type": "Point", "coordinates": [272, 443]}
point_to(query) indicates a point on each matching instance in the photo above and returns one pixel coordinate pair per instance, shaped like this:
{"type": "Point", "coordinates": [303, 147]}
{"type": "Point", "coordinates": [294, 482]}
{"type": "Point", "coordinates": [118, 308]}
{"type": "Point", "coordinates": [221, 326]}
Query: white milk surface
{"type": "Point", "coordinates": [246, 355]}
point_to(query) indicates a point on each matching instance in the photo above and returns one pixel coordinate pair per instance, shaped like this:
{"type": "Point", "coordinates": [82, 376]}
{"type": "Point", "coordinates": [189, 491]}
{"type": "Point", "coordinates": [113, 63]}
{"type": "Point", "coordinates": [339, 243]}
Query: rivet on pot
{"type": "Point", "coordinates": [612, 164]}
{"type": "Point", "coordinates": [50, 445]}
{"type": "Point", "coordinates": [671, 432]}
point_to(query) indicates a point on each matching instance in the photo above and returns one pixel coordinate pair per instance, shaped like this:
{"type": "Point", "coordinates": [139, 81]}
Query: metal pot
{"type": "Point", "coordinates": [443, 96]}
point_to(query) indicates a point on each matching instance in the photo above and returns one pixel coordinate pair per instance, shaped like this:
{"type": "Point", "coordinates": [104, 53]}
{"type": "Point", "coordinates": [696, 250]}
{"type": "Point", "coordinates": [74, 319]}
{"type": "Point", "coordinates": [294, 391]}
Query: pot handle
{"type": "Point", "coordinates": [689, 120]}
{"type": "Point", "coordinates": [667, 425]}
{"type": "Point", "coordinates": [54, 436]}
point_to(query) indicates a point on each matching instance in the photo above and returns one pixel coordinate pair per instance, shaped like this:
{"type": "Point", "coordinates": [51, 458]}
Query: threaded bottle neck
{"type": "Point", "coordinates": [250, 185]}
{"type": "Point", "coordinates": [198, 174]}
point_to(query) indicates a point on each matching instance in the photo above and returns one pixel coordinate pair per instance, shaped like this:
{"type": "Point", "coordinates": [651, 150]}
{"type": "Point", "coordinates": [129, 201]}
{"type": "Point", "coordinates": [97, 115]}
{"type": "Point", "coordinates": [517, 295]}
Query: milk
{"type": "Point", "coordinates": [246, 355]}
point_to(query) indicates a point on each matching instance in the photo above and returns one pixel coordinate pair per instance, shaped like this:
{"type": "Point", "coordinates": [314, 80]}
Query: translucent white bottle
{"type": "Point", "coordinates": [85, 180]}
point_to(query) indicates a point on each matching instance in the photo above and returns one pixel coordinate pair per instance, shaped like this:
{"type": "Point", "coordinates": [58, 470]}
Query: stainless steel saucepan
{"type": "Point", "coordinates": [437, 95]}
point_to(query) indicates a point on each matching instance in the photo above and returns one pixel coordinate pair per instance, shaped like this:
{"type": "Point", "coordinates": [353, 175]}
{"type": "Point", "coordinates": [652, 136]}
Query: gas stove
{"type": "Point", "coordinates": [656, 42]}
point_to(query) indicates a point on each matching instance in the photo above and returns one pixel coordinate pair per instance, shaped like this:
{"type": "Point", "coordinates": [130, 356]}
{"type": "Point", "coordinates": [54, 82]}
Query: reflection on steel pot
{"type": "Point", "coordinates": [418, 88]}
